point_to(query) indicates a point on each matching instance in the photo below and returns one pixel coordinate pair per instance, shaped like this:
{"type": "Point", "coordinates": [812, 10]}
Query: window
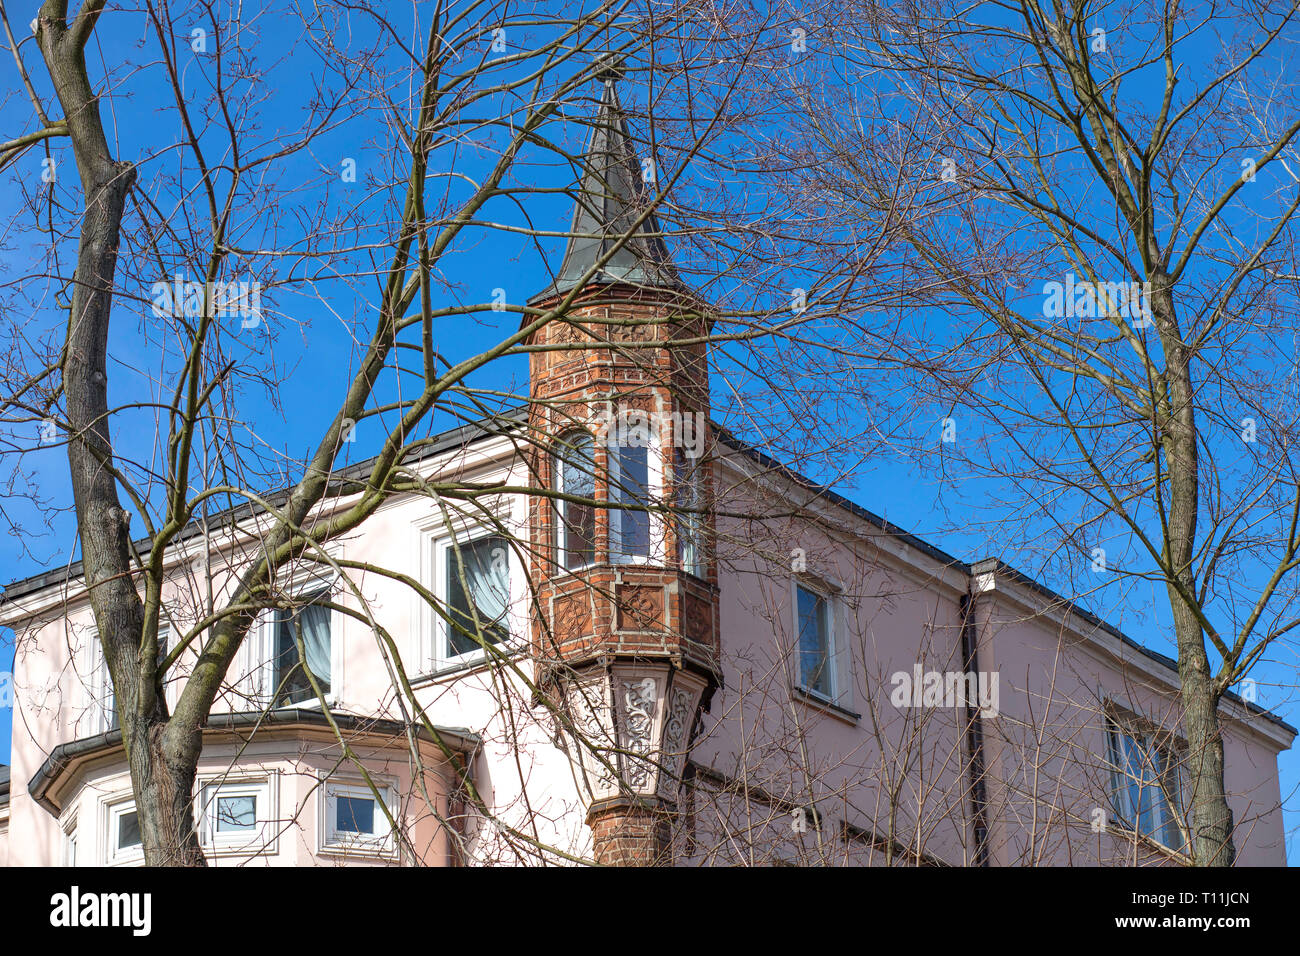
{"type": "Point", "coordinates": [687, 476]}
{"type": "Point", "coordinates": [311, 625]}
{"type": "Point", "coordinates": [103, 703]}
{"type": "Point", "coordinates": [125, 844]}
{"type": "Point", "coordinates": [1145, 791]}
{"type": "Point", "coordinates": [353, 819]}
{"type": "Point", "coordinates": [128, 831]}
{"type": "Point", "coordinates": [477, 579]}
{"type": "Point", "coordinates": [269, 670]}
{"type": "Point", "coordinates": [816, 643]}
{"type": "Point", "coordinates": [576, 476]}
{"type": "Point", "coordinates": [70, 843]}
{"type": "Point", "coordinates": [236, 813]}
{"type": "Point", "coordinates": [631, 487]}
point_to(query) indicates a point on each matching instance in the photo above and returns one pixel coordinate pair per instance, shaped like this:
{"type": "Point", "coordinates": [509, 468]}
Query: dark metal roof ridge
{"type": "Point", "coordinates": [998, 566]}
{"type": "Point", "coordinates": [465, 435]}
{"type": "Point", "coordinates": [61, 757]}
{"type": "Point", "coordinates": [834, 497]}
{"type": "Point", "coordinates": [983, 566]}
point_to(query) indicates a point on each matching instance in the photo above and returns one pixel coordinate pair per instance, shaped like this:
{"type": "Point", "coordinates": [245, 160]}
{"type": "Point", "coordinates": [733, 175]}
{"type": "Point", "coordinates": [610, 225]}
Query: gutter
{"type": "Point", "coordinates": [67, 757]}
{"type": "Point", "coordinates": [974, 735]}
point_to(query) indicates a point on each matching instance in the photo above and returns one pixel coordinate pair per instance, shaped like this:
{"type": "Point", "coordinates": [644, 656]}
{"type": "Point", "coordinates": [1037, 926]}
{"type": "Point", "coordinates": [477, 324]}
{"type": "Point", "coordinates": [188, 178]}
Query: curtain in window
{"type": "Point", "coordinates": [315, 622]}
{"type": "Point", "coordinates": [483, 592]}
{"type": "Point", "coordinates": [290, 679]}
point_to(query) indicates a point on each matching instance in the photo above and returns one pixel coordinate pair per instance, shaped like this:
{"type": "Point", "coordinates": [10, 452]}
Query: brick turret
{"type": "Point", "coordinates": [626, 635]}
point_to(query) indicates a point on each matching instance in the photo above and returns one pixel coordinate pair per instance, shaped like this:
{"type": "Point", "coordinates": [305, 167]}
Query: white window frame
{"type": "Point", "coordinates": [101, 700]}
{"type": "Point", "coordinates": [330, 841]}
{"type": "Point", "coordinates": [172, 685]}
{"type": "Point", "coordinates": [621, 436]}
{"type": "Point", "coordinates": [115, 855]}
{"type": "Point", "coordinates": [97, 687]}
{"type": "Point", "coordinates": [692, 526]}
{"type": "Point", "coordinates": [259, 841]}
{"type": "Point", "coordinates": [1122, 732]}
{"type": "Point", "coordinates": [435, 644]}
{"type": "Point", "coordinates": [69, 853]}
{"type": "Point", "coordinates": [257, 657]}
{"type": "Point", "coordinates": [837, 650]}
{"type": "Point", "coordinates": [562, 507]}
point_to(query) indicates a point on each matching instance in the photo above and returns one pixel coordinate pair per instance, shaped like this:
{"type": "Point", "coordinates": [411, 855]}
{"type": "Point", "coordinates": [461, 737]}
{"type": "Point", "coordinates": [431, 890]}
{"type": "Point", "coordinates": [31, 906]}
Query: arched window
{"type": "Point", "coordinates": [575, 467]}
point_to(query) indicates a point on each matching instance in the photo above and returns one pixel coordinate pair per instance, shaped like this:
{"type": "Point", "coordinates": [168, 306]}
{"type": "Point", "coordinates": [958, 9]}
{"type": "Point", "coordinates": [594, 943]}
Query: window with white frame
{"type": "Point", "coordinates": [236, 813]}
{"type": "Point", "coordinates": [353, 820]}
{"type": "Point", "coordinates": [271, 669]}
{"type": "Point", "coordinates": [301, 641]}
{"type": "Point", "coordinates": [103, 700]}
{"type": "Point", "coordinates": [474, 584]}
{"type": "Point", "coordinates": [70, 842]}
{"type": "Point", "coordinates": [170, 686]}
{"type": "Point", "coordinates": [633, 480]}
{"type": "Point", "coordinates": [101, 703]}
{"type": "Point", "coordinates": [575, 477]}
{"type": "Point", "coordinates": [125, 845]}
{"type": "Point", "coordinates": [814, 622]}
{"type": "Point", "coordinates": [823, 663]}
{"type": "Point", "coordinates": [1146, 791]}
{"type": "Point", "coordinates": [688, 481]}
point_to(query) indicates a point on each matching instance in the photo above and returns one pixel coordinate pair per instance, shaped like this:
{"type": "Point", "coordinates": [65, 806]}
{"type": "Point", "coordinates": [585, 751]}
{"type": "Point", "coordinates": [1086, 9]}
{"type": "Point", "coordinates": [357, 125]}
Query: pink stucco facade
{"type": "Point", "coordinates": [780, 774]}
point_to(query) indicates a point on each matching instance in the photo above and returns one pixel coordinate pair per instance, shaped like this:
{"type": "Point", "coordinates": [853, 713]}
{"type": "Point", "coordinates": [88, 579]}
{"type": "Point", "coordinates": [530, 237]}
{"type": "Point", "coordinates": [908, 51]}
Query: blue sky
{"type": "Point", "coordinates": [309, 335]}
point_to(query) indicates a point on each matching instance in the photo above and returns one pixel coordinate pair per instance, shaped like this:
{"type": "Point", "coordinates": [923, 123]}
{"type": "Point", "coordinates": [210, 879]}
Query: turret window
{"type": "Point", "coordinates": [576, 478]}
{"type": "Point", "coordinates": [689, 501]}
{"type": "Point", "coordinates": [478, 595]}
{"type": "Point", "coordinates": [633, 483]}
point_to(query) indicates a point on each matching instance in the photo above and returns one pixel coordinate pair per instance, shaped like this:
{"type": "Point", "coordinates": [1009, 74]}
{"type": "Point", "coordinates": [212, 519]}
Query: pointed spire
{"type": "Point", "coordinates": [612, 194]}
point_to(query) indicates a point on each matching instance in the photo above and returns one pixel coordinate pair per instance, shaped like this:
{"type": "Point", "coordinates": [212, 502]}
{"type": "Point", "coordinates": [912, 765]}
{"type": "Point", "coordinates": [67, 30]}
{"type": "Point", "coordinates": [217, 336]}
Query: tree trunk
{"type": "Point", "coordinates": [163, 760]}
{"type": "Point", "coordinates": [164, 769]}
{"type": "Point", "coordinates": [1210, 814]}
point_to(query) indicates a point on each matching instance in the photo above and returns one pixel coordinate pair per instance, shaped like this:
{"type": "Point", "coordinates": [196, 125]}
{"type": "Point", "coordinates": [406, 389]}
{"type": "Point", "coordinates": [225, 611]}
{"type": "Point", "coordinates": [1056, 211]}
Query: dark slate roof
{"type": "Point", "coordinates": [347, 480]}
{"type": "Point", "coordinates": [612, 195]}
{"type": "Point", "coordinates": [509, 418]}
{"type": "Point", "coordinates": [4, 785]}
{"type": "Point", "coordinates": [457, 739]}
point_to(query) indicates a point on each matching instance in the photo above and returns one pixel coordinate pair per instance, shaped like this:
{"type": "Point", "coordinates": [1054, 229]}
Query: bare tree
{"type": "Point", "coordinates": [1102, 202]}
{"type": "Point", "coordinates": [322, 166]}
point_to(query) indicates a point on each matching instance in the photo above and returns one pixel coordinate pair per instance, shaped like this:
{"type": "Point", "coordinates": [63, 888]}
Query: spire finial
{"type": "Point", "coordinates": [609, 68]}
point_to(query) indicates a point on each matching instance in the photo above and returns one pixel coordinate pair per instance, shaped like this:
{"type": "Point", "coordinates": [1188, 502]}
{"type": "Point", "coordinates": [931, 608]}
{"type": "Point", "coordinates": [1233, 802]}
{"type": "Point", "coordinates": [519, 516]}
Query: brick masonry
{"type": "Point", "coordinates": [619, 351]}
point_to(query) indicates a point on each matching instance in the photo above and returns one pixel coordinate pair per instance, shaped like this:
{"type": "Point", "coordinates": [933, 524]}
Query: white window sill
{"type": "Point", "coordinates": [464, 666]}
{"type": "Point", "coordinates": [821, 702]}
{"type": "Point", "coordinates": [371, 851]}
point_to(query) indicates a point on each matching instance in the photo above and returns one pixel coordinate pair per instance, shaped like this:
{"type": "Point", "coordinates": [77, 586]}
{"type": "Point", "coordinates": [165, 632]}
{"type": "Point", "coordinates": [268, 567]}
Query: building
{"type": "Point", "coordinates": [672, 649]}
